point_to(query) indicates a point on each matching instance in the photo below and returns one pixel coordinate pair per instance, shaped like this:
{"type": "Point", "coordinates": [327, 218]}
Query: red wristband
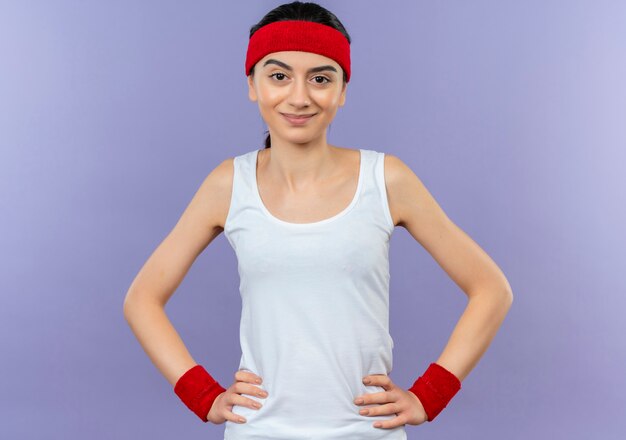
{"type": "Point", "coordinates": [435, 388]}
{"type": "Point", "coordinates": [198, 390]}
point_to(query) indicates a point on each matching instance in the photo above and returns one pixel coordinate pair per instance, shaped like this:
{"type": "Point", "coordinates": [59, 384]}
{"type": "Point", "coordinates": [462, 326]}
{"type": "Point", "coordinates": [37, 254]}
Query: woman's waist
{"type": "Point", "coordinates": [314, 394]}
{"type": "Point", "coordinates": [321, 413]}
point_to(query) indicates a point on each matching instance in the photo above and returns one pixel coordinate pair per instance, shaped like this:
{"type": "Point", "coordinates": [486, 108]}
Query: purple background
{"type": "Point", "coordinates": [512, 113]}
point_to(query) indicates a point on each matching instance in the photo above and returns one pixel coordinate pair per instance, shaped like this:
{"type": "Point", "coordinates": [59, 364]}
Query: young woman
{"type": "Point", "coordinates": [310, 223]}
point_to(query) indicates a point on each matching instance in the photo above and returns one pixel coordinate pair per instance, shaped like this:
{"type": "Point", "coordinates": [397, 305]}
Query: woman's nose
{"type": "Point", "coordinates": [299, 94]}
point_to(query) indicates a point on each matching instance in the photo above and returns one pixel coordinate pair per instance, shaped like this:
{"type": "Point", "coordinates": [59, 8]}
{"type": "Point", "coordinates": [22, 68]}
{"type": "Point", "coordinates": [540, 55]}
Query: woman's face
{"type": "Point", "coordinates": [297, 83]}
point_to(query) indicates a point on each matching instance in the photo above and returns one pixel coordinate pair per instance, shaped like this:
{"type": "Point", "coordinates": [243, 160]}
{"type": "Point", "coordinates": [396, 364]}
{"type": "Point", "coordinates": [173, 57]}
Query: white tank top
{"type": "Point", "coordinates": [315, 310]}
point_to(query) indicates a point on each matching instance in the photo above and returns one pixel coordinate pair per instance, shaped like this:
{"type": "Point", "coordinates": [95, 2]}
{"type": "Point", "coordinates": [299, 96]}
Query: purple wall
{"type": "Point", "coordinates": [512, 113]}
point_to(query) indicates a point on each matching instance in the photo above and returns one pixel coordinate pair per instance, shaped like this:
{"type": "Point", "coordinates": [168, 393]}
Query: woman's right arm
{"type": "Point", "coordinates": [158, 279]}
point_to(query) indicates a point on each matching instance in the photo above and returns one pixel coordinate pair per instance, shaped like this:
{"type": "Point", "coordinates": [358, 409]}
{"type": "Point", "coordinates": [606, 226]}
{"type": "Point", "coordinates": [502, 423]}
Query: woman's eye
{"type": "Point", "coordinates": [323, 77]}
{"type": "Point", "coordinates": [282, 75]}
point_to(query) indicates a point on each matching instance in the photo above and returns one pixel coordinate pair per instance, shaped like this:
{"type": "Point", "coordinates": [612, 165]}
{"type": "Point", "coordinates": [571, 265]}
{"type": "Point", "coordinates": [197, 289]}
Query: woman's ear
{"type": "Point", "coordinates": [251, 89]}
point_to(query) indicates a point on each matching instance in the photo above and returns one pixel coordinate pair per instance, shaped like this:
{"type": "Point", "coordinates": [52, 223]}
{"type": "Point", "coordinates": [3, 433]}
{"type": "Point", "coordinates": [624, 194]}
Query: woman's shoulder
{"type": "Point", "coordinates": [247, 153]}
{"type": "Point", "coordinates": [355, 150]}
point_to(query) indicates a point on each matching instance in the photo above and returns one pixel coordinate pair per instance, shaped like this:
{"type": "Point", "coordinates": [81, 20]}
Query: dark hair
{"type": "Point", "coordinates": [307, 11]}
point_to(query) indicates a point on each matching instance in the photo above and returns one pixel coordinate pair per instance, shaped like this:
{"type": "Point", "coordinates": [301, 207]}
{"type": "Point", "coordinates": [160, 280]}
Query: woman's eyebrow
{"type": "Point", "coordinates": [288, 67]}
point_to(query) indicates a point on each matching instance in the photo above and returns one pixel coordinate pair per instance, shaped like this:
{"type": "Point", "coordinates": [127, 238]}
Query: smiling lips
{"type": "Point", "coordinates": [298, 119]}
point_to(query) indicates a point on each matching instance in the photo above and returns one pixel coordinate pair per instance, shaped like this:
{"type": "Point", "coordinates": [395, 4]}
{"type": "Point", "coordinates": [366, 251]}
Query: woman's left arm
{"type": "Point", "coordinates": [489, 293]}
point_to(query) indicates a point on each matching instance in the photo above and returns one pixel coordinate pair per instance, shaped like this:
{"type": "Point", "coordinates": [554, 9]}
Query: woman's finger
{"type": "Point", "coordinates": [248, 388]}
{"type": "Point", "coordinates": [381, 380]}
{"type": "Point", "coordinates": [247, 376]}
{"type": "Point", "coordinates": [380, 410]}
{"type": "Point", "coordinates": [240, 400]}
{"type": "Point", "coordinates": [231, 416]}
{"type": "Point", "coordinates": [391, 423]}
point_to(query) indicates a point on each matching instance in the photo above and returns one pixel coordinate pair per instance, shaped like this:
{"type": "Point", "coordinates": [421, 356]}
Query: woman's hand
{"type": "Point", "coordinates": [221, 410]}
{"type": "Point", "coordinates": [394, 400]}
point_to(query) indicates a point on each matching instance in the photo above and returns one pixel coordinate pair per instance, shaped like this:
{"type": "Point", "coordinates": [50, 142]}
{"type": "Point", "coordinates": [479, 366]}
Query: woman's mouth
{"type": "Point", "coordinates": [297, 120]}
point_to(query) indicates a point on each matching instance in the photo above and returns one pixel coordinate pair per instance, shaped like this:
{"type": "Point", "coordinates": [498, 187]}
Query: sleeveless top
{"type": "Point", "coordinates": [315, 310]}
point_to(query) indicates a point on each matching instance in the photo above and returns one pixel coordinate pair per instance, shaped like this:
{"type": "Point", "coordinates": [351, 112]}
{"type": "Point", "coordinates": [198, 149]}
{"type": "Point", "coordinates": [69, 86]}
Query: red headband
{"type": "Point", "coordinates": [300, 35]}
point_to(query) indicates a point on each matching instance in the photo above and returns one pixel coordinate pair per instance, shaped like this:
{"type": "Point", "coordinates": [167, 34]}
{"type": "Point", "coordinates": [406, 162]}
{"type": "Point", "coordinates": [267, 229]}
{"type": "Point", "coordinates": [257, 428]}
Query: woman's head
{"type": "Point", "coordinates": [298, 65]}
